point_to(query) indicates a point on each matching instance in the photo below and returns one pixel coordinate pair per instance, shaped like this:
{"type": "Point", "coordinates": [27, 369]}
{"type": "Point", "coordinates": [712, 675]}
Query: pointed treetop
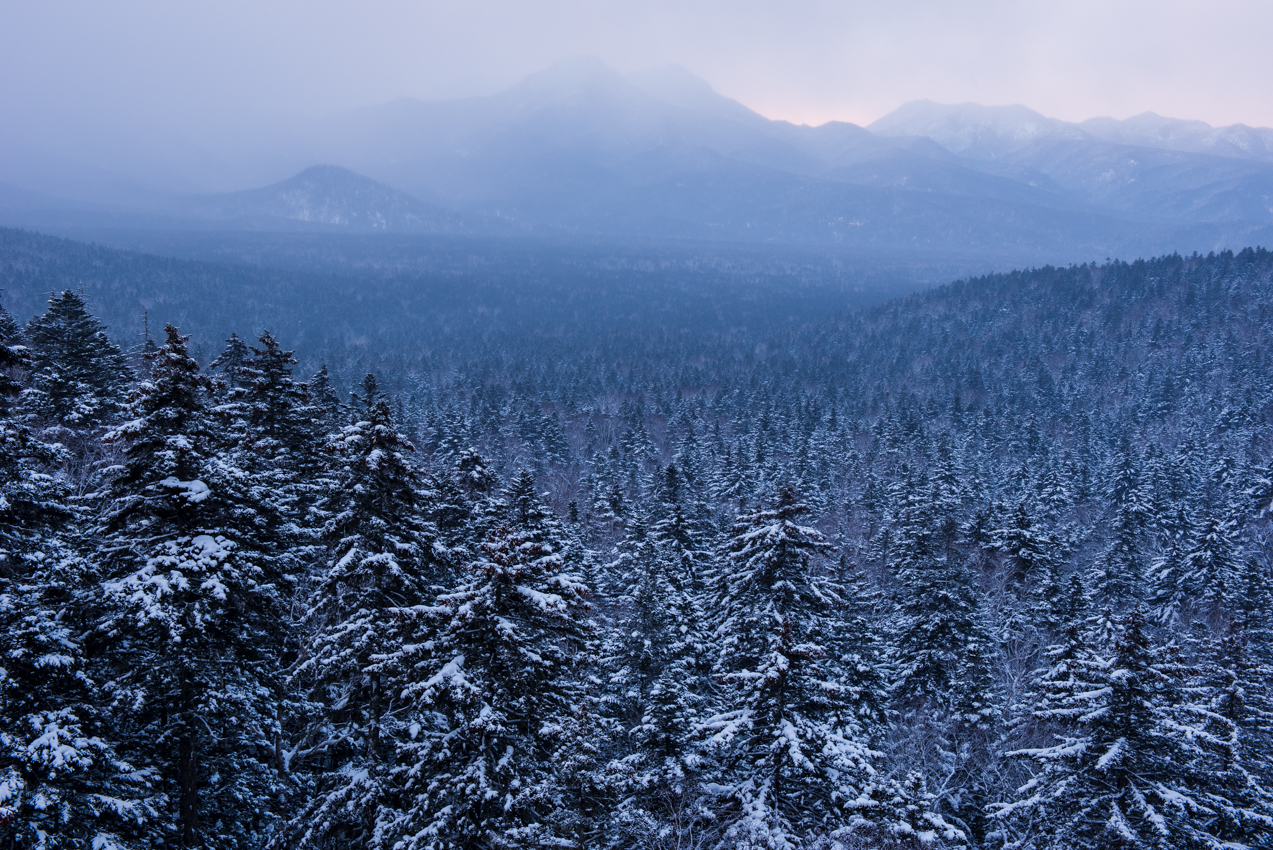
{"type": "Point", "coordinates": [77, 374]}
{"type": "Point", "coordinates": [364, 403]}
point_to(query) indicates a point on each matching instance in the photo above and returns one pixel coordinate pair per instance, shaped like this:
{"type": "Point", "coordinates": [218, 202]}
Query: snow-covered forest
{"type": "Point", "coordinates": [986, 567]}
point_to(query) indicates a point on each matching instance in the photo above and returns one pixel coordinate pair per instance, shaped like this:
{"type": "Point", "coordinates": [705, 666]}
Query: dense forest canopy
{"type": "Point", "coordinates": [376, 299]}
{"type": "Point", "coordinates": [647, 566]}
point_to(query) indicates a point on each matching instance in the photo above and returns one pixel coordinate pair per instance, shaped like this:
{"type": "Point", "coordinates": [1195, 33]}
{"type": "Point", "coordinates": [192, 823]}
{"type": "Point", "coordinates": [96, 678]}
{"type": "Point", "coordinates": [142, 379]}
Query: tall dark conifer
{"type": "Point", "coordinates": [380, 558]}
{"type": "Point", "coordinates": [188, 612]}
{"type": "Point", "coordinates": [942, 654]}
{"type": "Point", "coordinates": [78, 376]}
{"type": "Point", "coordinates": [492, 674]}
{"type": "Point", "coordinates": [62, 785]}
{"type": "Point", "coordinates": [793, 747]}
{"type": "Point", "coordinates": [1131, 764]}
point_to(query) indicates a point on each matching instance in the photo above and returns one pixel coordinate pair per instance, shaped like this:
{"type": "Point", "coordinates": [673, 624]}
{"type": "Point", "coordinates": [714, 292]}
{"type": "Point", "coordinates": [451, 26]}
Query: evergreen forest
{"type": "Point", "coordinates": [984, 566]}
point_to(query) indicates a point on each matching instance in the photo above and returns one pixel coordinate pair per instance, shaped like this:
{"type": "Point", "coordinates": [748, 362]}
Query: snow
{"type": "Point", "coordinates": [549, 602]}
{"type": "Point", "coordinates": [106, 841]}
{"type": "Point", "coordinates": [788, 732]}
{"type": "Point", "coordinates": [194, 491]}
{"type": "Point", "coordinates": [452, 671]}
{"type": "Point", "coordinates": [57, 747]}
{"type": "Point", "coordinates": [357, 775]}
{"type": "Point", "coordinates": [210, 549]}
{"type": "Point", "coordinates": [1111, 754]}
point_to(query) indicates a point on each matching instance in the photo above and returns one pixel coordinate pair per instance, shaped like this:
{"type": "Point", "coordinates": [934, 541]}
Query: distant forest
{"type": "Point", "coordinates": [647, 556]}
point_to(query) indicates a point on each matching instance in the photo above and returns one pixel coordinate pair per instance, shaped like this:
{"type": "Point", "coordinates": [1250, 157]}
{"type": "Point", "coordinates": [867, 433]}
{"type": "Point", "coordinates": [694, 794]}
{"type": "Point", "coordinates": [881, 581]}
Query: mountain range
{"type": "Point", "coordinates": [582, 150]}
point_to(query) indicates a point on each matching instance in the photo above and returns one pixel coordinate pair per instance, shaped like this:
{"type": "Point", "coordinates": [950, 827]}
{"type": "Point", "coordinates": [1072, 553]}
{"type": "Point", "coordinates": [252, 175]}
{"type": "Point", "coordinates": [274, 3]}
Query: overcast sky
{"type": "Point", "coordinates": [164, 64]}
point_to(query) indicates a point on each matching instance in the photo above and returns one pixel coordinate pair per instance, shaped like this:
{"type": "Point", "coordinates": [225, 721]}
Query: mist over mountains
{"type": "Point", "coordinates": [582, 150]}
{"type": "Point", "coordinates": [664, 511]}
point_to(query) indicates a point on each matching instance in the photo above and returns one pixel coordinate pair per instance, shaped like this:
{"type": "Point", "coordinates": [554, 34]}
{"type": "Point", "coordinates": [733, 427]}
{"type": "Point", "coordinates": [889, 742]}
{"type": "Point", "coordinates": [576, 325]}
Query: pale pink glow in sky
{"type": "Point", "coordinates": [168, 66]}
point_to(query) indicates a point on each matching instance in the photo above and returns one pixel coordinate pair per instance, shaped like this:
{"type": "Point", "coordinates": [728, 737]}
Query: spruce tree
{"type": "Point", "coordinates": [1212, 564]}
{"type": "Point", "coordinates": [1227, 697]}
{"type": "Point", "coordinates": [380, 558]}
{"type": "Point", "coordinates": [1118, 576]}
{"type": "Point", "coordinates": [78, 376]}
{"type": "Point", "coordinates": [276, 437]}
{"type": "Point", "coordinates": [15, 359]}
{"type": "Point", "coordinates": [793, 747]}
{"type": "Point", "coordinates": [942, 688]}
{"type": "Point", "coordinates": [1127, 766]}
{"type": "Point", "coordinates": [656, 666]}
{"type": "Point", "coordinates": [231, 361]}
{"type": "Point", "coordinates": [325, 398]}
{"type": "Point", "coordinates": [492, 676]}
{"type": "Point", "coordinates": [188, 612]}
{"type": "Point", "coordinates": [1173, 581]}
{"type": "Point", "coordinates": [62, 785]}
{"type": "Point", "coordinates": [463, 510]}
{"type": "Point", "coordinates": [1031, 571]}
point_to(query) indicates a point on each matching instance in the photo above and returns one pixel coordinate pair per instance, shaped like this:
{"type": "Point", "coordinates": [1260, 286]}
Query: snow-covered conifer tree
{"type": "Point", "coordinates": [188, 612]}
{"type": "Point", "coordinates": [380, 558]}
{"type": "Point", "coordinates": [231, 361]}
{"type": "Point", "coordinates": [493, 682]}
{"type": "Point", "coordinates": [1118, 575]}
{"type": "Point", "coordinates": [791, 741]}
{"type": "Point", "coordinates": [325, 398]}
{"type": "Point", "coordinates": [61, 782]}
{"type": "Point", "coordinates": [1227, 697]}
{"type": "Point", "coordinates": [942, 688]}
{"type": "Point", "coordinates": [656, 666]}
{"type": "Point", "coordinates": [1127, 766]}
{"type": "Point", "coordinates": [77, 375]}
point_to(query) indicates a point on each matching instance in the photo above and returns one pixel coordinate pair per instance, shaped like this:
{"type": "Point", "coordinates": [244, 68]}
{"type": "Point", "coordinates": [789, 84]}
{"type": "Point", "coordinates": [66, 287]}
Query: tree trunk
{"type": "Point", "coordinates": [279, 765]}
{"type": "Point", "coordinates": [373, 734]}
{"type": "Point", "coordinates": [188, 773]}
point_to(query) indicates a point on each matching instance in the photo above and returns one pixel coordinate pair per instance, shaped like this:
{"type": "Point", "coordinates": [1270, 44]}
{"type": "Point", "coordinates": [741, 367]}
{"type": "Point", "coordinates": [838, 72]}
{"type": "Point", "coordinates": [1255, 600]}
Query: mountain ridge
{"type": "Point", "coordinates": [333, 196]}
{"type": "Point", "coordinates": [989, 130]}
{"type": "Point", "coordinates": [581, 149]}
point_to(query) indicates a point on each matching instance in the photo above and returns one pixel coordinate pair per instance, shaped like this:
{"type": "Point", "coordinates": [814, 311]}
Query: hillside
{"type": "Point", "coordinates": [965, 524]}
{"type": "Point", "coordinates": [378, 299]}
{"type": "Point", "coordinates": [331, 197]}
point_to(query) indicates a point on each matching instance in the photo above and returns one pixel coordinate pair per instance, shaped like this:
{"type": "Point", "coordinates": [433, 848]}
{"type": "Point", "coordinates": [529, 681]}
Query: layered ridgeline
{"type": "Point", "coordinates": [987, 566]}
{"type": "Point", "coordinates": [580, 150]}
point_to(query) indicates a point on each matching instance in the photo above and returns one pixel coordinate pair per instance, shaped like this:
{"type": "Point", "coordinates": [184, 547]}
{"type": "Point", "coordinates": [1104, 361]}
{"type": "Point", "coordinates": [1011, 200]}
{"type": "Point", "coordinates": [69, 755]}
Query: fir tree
{"type": "Point", "coordinates": [793, 747]}
{"type": "Point", "coordinates": [495, 687]}
{"type": "Point", "coordinates": [189, 612]}
{"type": "Point", "coordinates": [78, 375]}
{"type": "Point", "coordinates": [1174, 583]}
{"type": "Point", "coordinates": [276, 408]}
{"type": "Point", "coordinates": [380, 558]}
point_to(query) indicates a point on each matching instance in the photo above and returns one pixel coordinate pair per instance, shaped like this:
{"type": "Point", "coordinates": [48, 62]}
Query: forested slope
{"type": "Point", "coordinates": [986, 566]}
{"type": "Point", "coordinates": [382, 302]}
